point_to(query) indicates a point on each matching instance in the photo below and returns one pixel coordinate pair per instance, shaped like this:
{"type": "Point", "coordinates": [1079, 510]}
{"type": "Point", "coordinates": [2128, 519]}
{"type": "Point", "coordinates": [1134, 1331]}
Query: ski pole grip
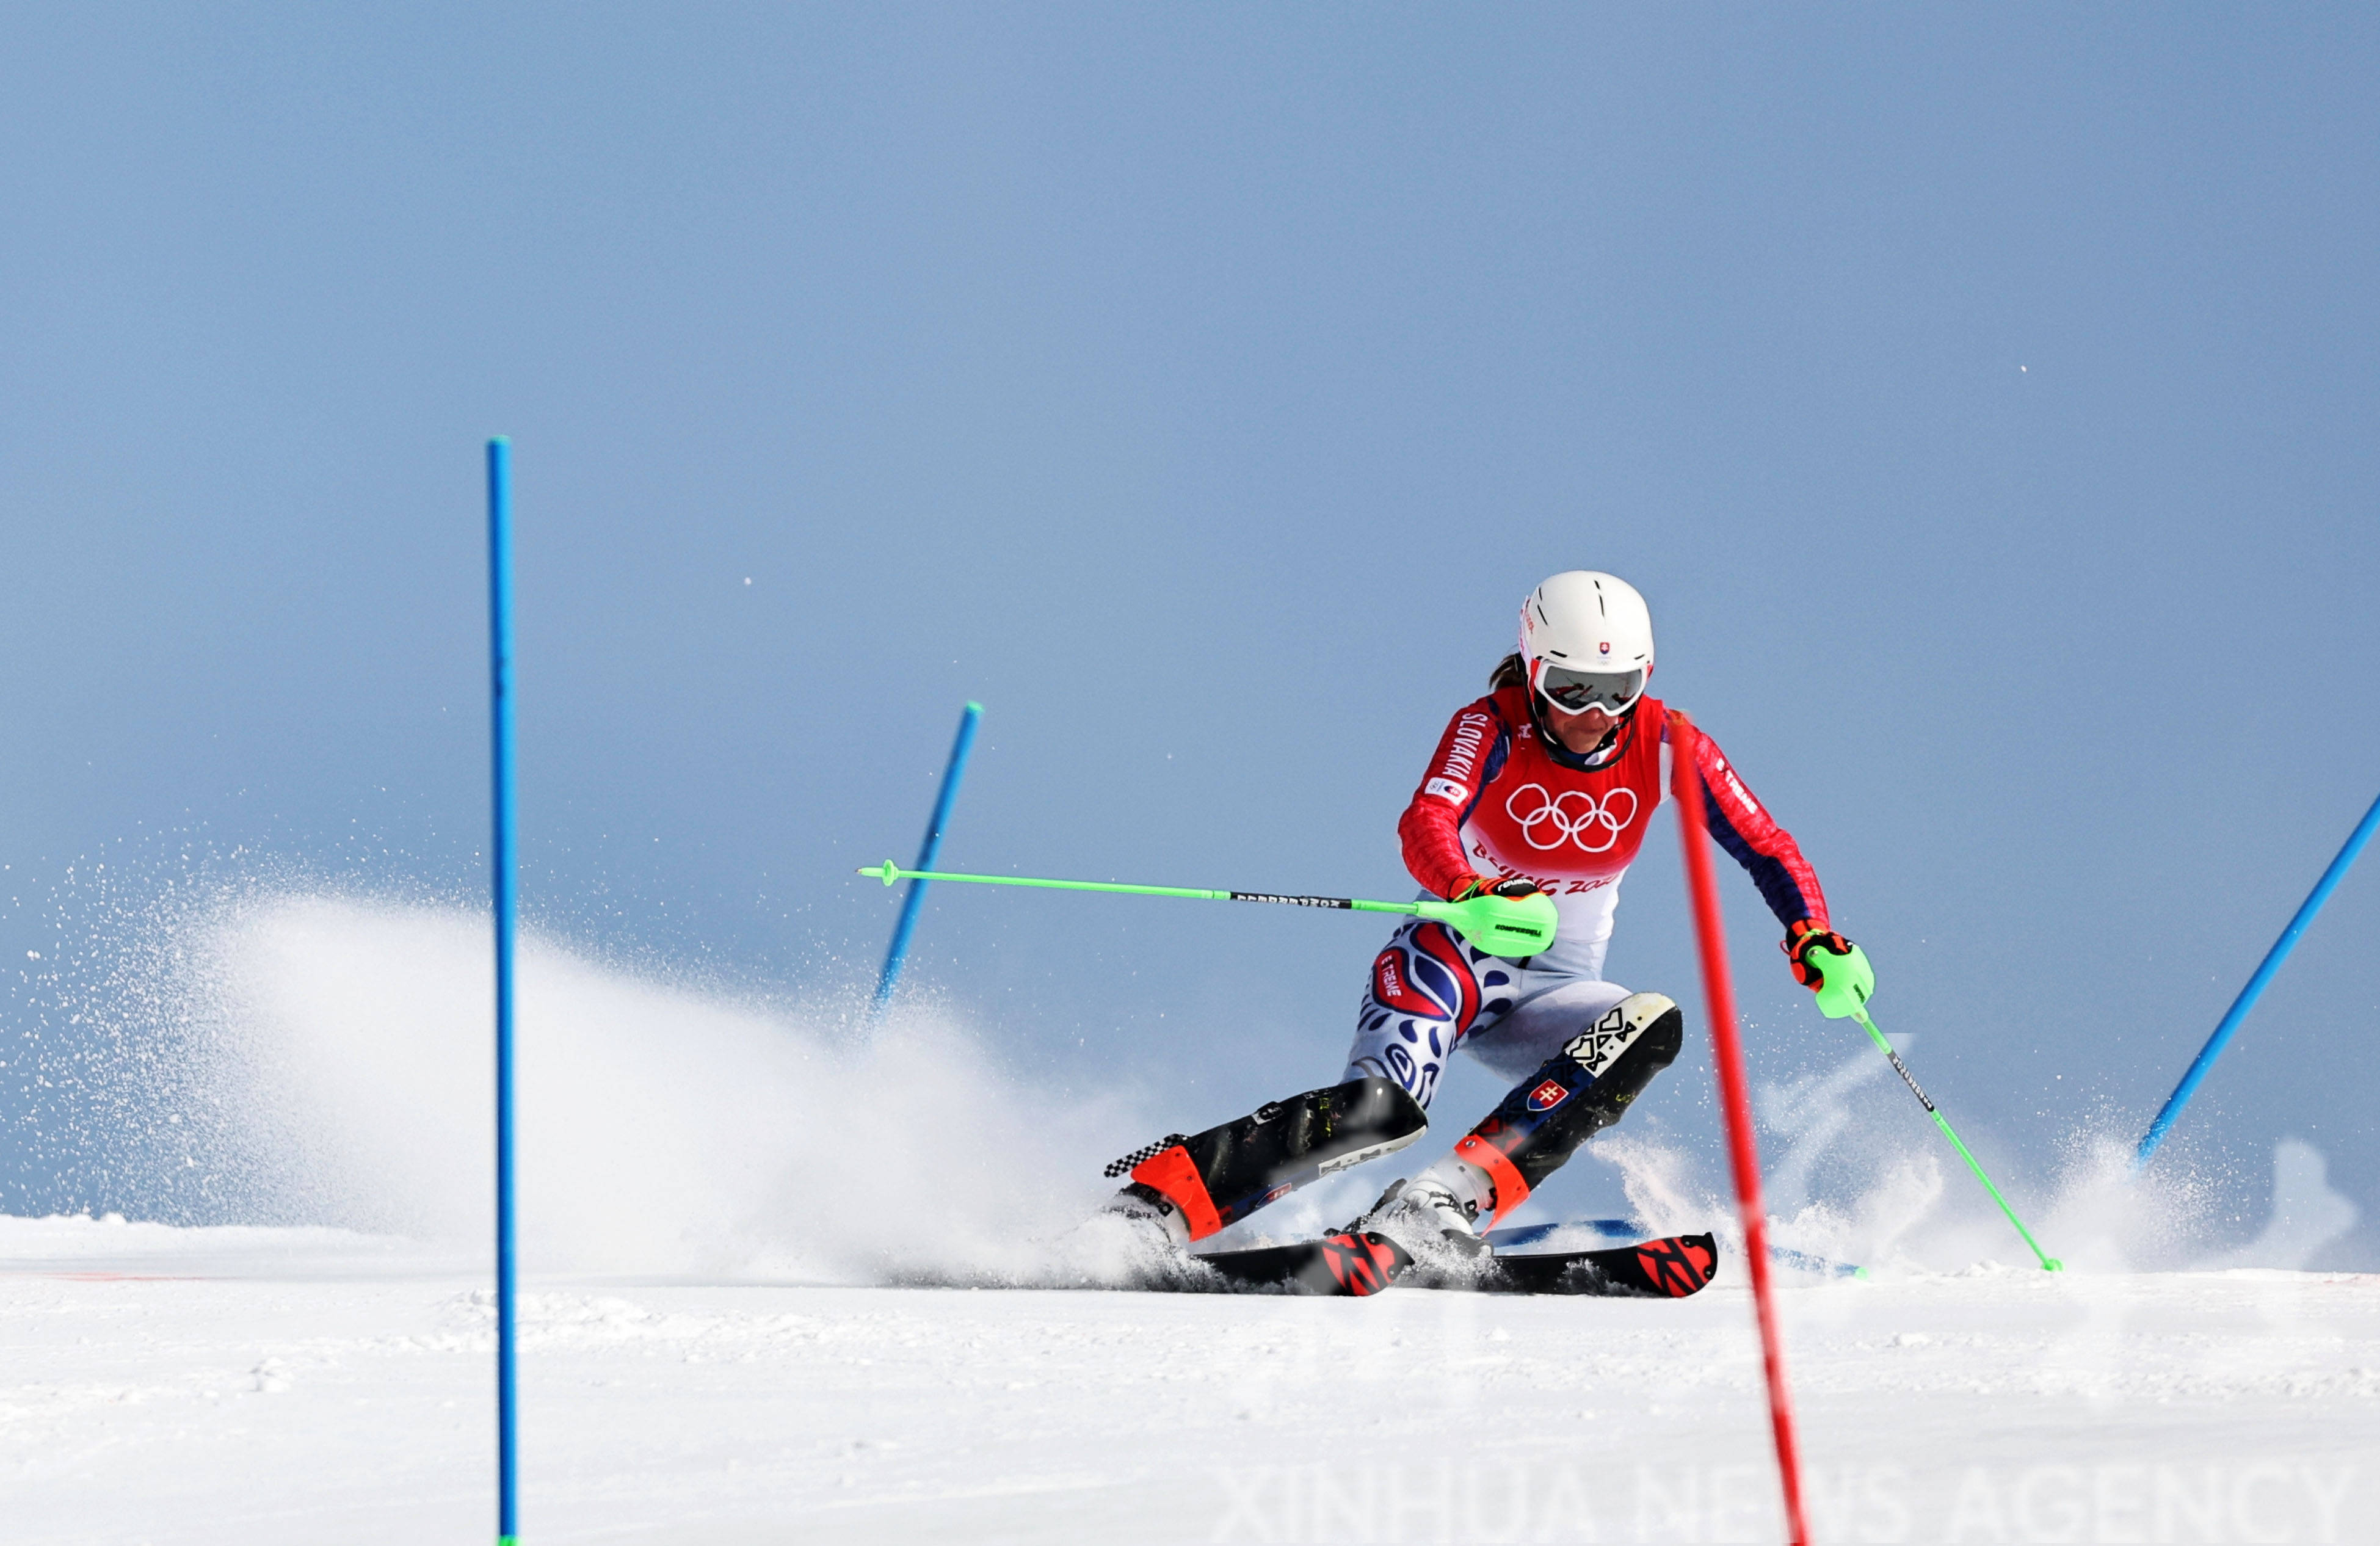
{"type": "Point", "coordinates": [1844, 982]}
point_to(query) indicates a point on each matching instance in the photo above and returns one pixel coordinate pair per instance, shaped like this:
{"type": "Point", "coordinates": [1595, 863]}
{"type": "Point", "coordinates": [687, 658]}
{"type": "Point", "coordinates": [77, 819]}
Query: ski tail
{"type": "Point", "coordinates": [1670, 1268]}
{"type": "Point", "coordinates": [1350, 1264]}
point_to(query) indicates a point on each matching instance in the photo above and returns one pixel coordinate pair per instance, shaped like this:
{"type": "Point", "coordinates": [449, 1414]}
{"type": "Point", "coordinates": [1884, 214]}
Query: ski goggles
{"type": "Point", "coordinates": [1574, 692]}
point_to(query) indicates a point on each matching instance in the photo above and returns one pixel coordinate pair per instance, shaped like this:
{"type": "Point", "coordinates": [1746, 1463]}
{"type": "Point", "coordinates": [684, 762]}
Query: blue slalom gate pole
{"type": "Point", "coordinates": [2255, 988]}
{"type": "Point", "coordinates": [500, 673]}
{"type": "Point", "coordinates": [916, 899]}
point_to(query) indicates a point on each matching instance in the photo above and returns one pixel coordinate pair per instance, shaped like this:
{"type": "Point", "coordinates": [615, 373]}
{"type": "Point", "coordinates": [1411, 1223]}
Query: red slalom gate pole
{"type": "Point", "coordinates": [1735, 1100]}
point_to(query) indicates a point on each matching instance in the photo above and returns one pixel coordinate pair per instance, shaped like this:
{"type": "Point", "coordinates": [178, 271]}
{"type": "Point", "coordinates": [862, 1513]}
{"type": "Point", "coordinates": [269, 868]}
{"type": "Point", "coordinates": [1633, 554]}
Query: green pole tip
{"type": "Point", "coordinates": [889, 872]}
{"type": "Point", "coordinates": [2051, 1264]}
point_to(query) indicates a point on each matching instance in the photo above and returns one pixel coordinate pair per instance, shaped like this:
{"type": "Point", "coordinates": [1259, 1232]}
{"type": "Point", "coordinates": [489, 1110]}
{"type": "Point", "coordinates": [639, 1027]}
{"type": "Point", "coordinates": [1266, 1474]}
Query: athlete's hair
{"type": "Point", "coordinates": [1509, 672]}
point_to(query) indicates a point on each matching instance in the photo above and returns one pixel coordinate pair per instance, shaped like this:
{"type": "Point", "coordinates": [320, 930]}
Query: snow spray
{"type": "Point", "coordinates": [326, 1053]}
{"type": "Point", "coordinates": [1839, 994]}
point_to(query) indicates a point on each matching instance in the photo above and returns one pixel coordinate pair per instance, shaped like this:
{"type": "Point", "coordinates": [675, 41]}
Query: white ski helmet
{"type": "Point", "coordinates": [1586, 639]}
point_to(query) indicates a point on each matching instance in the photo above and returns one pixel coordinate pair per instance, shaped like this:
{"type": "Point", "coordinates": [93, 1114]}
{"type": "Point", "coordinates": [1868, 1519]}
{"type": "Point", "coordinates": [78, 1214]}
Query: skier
{"type": "Point", "coordinates": [1547, 783]}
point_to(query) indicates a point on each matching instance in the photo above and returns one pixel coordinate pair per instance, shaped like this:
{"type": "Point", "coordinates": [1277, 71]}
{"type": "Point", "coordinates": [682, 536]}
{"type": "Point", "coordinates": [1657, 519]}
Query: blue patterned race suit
{"type": "Point", "coordinates": [1430, 993]}
{"type": "Point", "coordinates": [1499, 800]}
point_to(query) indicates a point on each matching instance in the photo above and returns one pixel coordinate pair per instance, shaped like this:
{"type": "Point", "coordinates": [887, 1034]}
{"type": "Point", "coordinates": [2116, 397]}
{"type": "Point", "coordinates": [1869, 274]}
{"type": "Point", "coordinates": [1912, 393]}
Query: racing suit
{"type": "Point", "coordinates": [1500, 799]}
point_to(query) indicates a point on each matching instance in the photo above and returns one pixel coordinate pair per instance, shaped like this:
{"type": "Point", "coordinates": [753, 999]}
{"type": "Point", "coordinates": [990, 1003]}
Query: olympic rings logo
{"type": "Point", "coordinates": [1575, 817]}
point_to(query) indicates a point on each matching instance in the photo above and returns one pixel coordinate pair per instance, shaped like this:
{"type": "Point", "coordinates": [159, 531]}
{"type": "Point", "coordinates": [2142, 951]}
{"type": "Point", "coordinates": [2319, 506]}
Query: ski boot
{"type": "Point", "coordinates": [1441, 1214]}
{"type": "Point", "coordinates": [1434, 1227]}
{"type": "Point", "coordinates": [1187, 1188]}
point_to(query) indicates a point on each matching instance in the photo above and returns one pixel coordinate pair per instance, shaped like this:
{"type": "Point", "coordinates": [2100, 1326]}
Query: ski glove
{"type": "Point", "coordinates": [1512, 890]}
{"type": "Point", "coordinates": [1802, 936]}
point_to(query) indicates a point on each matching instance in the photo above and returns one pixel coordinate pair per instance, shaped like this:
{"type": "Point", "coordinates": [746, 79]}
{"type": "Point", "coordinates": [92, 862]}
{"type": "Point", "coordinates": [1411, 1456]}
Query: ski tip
{"type": "Point", "coordinates": [1681, 1265]}
{"type": "Point", "coordinates": [1366, 1262]}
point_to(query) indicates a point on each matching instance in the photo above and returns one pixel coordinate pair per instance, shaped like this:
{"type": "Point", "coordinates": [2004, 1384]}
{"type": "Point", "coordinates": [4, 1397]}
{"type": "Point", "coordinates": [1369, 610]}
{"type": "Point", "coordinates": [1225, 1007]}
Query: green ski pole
{"type": "Point", "coordinates": [1508, 926]}
{"type": "Point", "coordinates": [1844, 993]}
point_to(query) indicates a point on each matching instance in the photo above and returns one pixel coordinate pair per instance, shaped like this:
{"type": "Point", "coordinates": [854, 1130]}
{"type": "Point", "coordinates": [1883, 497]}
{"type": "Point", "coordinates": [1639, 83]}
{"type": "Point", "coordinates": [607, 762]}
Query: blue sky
{"type": "Point", "coordinates": [1984, 401]}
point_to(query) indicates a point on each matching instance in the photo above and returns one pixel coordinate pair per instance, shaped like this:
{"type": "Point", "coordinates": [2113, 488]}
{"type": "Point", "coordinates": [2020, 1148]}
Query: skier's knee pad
{"type": "Point", "coordinates": [1224, 1173]}
{"type": "Point", "coordinates": [1636, 1039]}
{"type": "Point", "coordinates": [1578, 1092]}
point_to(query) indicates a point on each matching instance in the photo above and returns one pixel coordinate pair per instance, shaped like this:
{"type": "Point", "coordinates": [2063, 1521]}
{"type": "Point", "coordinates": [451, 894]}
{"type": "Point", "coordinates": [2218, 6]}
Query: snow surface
{"type": "Point", "coordinates": [729, 1335]}
{"type": "Point", "coordinates": [202, 1385]}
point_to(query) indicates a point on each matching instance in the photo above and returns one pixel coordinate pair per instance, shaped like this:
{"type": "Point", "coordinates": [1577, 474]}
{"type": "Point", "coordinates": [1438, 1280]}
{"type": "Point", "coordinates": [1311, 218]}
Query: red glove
{"type": "Point", "coordinates": [1802, 936]}
{"type": "Point", "coordinates": [1512, 889]}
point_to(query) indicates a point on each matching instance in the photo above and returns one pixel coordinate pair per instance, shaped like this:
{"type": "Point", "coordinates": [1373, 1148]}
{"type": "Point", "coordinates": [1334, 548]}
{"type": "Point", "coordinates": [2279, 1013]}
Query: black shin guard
{"type": "Point", "coordinates": [1227, 1172]}
{"type": "Point", "coordinates": [1580, 1090]}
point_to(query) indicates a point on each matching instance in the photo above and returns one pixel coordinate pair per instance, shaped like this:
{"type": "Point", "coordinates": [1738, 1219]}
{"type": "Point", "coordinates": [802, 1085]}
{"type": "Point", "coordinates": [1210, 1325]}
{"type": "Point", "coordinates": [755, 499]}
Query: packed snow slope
{"type": "Point", "coordinates": [792, 1278]}
{"type": "Point", "coordinates": [246, 1385]}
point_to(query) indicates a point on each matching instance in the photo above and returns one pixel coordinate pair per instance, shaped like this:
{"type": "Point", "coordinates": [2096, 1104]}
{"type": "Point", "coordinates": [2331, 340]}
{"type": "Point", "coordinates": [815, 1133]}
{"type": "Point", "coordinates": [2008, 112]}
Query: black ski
{"type": "Point", "coordinates": [1351, 1265]}
{"type": "Point", "coordinates": [1665, 1269]}
{"type": "Point", "coordinates": [1348, 1264]}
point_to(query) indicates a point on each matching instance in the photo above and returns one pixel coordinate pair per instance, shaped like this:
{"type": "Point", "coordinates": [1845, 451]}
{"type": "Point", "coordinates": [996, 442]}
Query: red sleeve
{"type": "Point", "coordinates": [1743, 827]}
{"type": "Point", "coordinates": [1431, 829]}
